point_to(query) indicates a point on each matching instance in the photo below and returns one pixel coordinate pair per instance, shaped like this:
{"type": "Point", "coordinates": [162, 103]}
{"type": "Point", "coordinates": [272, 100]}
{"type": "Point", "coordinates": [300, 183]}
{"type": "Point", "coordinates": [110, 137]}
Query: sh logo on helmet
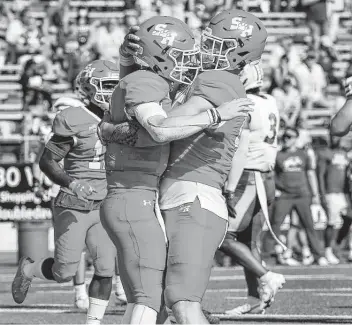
{"type": "Point", "coordinates": [168, 37]}
{"type": "Point", "coordinates": [237, 23]}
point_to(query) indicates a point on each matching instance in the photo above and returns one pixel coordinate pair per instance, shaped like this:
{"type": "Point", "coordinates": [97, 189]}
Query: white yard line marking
{"type": "Point", "coordinates": [335, 294]}
{"type": "Point", "coordinates": [284, 290]}
{"type": "Point", "coordinates": [36, 310]}
{"type": "Point", "coordinates": [280, 267]}
{"type": "Point", "coordinates": [285, 317]}
{"type": "Point", "coordinates": [289, 277]}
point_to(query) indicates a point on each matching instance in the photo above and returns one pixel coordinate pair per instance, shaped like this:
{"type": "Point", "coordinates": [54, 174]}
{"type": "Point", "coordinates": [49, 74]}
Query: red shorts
{"type": "Point", "coordinates": [73, 230]}
{"type": "Point", "coordinates": [128, 215]}
{"type": "Point", "coordinates": [194, 236]}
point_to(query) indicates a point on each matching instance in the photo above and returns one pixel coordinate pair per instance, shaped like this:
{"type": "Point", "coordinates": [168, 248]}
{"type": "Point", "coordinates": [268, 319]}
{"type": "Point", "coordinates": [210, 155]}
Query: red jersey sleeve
{"type": "Point", "coordinates": [62, 126]}
{"type": "Point", "coordinates": [144, 87]}
{"type": "Point", "coordinates": [218, 87]}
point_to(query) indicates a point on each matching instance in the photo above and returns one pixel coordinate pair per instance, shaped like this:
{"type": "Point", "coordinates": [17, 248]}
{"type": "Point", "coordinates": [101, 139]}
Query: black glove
{"type": "Point", "coordinates": [231, 203]}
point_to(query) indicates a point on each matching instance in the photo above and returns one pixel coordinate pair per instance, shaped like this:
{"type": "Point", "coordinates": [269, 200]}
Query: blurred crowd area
{"type": "Point", "coordinates": [44, 44]}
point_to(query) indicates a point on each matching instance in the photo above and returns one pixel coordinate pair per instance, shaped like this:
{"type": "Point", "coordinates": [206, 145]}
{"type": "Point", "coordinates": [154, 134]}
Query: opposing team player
{"type": "Point", "coordinates": [332, 176]}
{"type": "Point", "coordinates": [169, 57]}
{"type": "Point", "coordinates": [83, 187]}
{"type": "Point", "coordinates": [246, 199]}
{"type": "Point", "coordinates": [342, 121]}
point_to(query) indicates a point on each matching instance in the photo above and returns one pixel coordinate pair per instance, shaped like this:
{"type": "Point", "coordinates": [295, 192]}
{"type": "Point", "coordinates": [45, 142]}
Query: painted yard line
{"type": "Point", "coordinates": [337, 294]}
{"type": "Point", "coordinates": [282, 267]}
{"type": "Point", "coordinates": [236, 298]}
{"type": "Point", "coordinates": [35, 310]}
{"type": "Point", "coordinates": [37, 306]}
{"type": "Point", "coordinates": [284, 290]}
{"type": "Point", "coordinates": [289, 277]}
{"type": "Point", "coordinates": [285, 317]}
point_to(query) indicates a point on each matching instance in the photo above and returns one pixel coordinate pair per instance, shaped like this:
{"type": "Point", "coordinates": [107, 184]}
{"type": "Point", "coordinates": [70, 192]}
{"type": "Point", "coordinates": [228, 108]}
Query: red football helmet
{"type": "Point", "coordinates": [169, 49]}
{"type": "Point", "coordinates": [232, 39]}
{"type": "Point", "coordinates": [96, 82]}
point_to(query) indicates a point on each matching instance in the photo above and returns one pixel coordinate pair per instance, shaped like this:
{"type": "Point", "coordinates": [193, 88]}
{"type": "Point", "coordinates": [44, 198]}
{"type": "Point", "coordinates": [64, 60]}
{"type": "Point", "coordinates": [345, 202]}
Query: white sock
{"type": "Point", "coordinates": [96, 310]}
{"type": "Point", "coordinates": [81, 290]}
{"type": "Point", "coordinates": [118, 285]}
{"type": "Point", "coordinates": [143, 315]}
{"type": "Point", "coordinates": [306, 252]}
{"type": "Point", "coordinates": [126, 319]}
{"type": "Point", "coordinates": [34, 270]}
{"type": "Point", "coordinates": [328, 250]}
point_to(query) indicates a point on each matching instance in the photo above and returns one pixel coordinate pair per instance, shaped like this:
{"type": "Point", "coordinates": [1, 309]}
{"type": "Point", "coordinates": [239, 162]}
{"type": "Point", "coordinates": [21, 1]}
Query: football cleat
{"type": "Point", "coordinates": [82, 302]}
{"type": "Point", "coordinates": [269, 285]}
{"type": "Point", "coordinates": [322, 261]}
{"type": "Point", "coordinates": [290, 261]}
{"type": "Point", "coordinates": [349, 258]}
{"type": "Point", "coordinates": [120, 298]}
{"type": "Point", "coordinates": [257, 308]}
{"type": "Point", "coordinates": [210, 318]}
{"type": "Point", "coordinates": [21, 283]}
{"type": "Point", "coordinates": [331, 257]}
{"type": "Point", "coordinates": [308, 260]}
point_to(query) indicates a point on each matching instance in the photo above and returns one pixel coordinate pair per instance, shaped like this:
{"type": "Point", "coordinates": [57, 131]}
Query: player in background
{"type": "Point", "coordinates": [81, 295]}
{"type": "Point", "coordinates": [345, 230]}
{"type": "Point", "coordinates": [295, 178]}
{"type": "Point", "coordinates": [332, 177]}
{"type": "Point", "coordinates": [83, 187]}
{"type": "Point", "coordinates": [342, 121]}
{"type": "Point", "coordinates": [133, 187]}
{"type": "Point", "coordinates": [246, 200]}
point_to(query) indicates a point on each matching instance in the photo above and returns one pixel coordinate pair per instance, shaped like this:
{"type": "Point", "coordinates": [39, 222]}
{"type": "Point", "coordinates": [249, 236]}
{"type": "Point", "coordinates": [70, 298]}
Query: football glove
{"type": "Point", "coordinates": [81, 189]}
{"type": "Point", "coordinates": [130, 44]}
{"type": "Point", "coordinates": [231, 203]}
{"type": "Point", "coordinates": [38, 189]}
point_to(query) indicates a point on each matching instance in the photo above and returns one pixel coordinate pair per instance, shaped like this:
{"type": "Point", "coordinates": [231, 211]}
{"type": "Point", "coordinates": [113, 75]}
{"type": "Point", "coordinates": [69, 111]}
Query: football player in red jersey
{"type": "Point", "coordinates": [245, 197]}
{"type": "Point", "coordinates": [342, 121]}
{"type": "Point", "coordinates": [191, 187]}
{"type": "Point", "coordinates": [130, 214]}
{"type": "Point", "coordinates": [83, 187]}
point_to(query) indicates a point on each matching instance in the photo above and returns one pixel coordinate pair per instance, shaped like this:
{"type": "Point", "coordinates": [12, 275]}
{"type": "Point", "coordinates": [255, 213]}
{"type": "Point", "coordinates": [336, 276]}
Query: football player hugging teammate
{"type": "Point", "coordinates": [191, 198]}
{"type": "Point", "coordinates": [83, 187]}
{"type": "Point", "coordinates": [136, 161]}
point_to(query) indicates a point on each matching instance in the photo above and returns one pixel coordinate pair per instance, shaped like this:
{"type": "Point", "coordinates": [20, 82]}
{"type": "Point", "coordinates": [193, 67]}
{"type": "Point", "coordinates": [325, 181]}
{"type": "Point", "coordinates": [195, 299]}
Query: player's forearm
{"type": "Point", "coordinates": [321, 178]}
{"type": "Point", "coordinates": [166, 129]}
{"type": "Point", "coordinates": [127, 64]}
{"type": "Point", "coordinates": [313, 183]}
{"type": "Point", "coordinates": [239, 162]}
{"type": "Point", "coordinates": [167, 134]}
{"type": "Point", "coordinates": [341, 122]}
{"type": "Point", "coordinates": [54, 172]}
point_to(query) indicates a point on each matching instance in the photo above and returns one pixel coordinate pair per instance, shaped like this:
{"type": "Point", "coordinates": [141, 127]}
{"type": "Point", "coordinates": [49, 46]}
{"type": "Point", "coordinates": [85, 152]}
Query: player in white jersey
{"type": "Point", "coordinates": [342, 121]}
{"type": "Point", "coordinates": [249, 193]}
